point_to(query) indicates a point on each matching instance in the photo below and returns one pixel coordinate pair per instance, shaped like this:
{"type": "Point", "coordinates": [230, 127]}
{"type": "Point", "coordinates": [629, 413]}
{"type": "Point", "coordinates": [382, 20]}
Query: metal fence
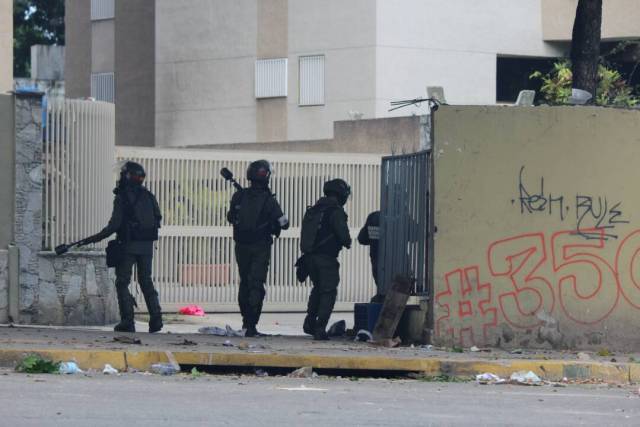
{"type": "Point", "coordinates": [404, 211]}
{"type": "Point", "coordinates": [79, 143]}
{"type": "Point", "coordinates": [195, 261]}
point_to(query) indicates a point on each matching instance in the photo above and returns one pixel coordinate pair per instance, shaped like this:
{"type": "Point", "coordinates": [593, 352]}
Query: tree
{"type": "Point", "coordinates": [35, 22]}
{"type": "Point", "coordinates": [585, 45]}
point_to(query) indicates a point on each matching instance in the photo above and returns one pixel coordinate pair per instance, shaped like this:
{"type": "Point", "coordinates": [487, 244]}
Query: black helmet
{"type": "Point", "coordinates": [132, 173]}
{"type": "Point", "coordinates": [337, 188]}
{"type": "Point", "coordinates": [259, 171]}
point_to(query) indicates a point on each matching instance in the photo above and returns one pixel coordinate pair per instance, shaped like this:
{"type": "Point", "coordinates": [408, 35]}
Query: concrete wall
{"type": "Point", "coordinates": [6, 45]}
{"type": "Point", "coordinates": [537, 216]}
{"type": "Point", "coordinates": [453, 44]}
{"type": "Point", "coordinates": [620, 19]}
{"type": "Point", "coordinates": [135, 72]}
{"type": "Point", "coordinates": [4, 285]}
{"type": "Point", "coordinates": [7, 169]}
{"type": "Point", "coordinates": [377, 136]}
{"type": "Point", "coordinates": [78, 40]}
{"type": "Point", "coordinates": [47, 62]}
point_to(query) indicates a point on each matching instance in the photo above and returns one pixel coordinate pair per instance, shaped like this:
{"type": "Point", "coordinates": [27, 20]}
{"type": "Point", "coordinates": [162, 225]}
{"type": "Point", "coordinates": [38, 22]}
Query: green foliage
{"type": "Point", "coordinates": [195, 373]}
{"type": "Point", "coordinates": [34, 364]}
{"type": "Point", "coordinates": [613, 90]}
{"type": "Point", "coordinates": [35, 22]}
{"type": "Point", "coordinates": [444, 378]}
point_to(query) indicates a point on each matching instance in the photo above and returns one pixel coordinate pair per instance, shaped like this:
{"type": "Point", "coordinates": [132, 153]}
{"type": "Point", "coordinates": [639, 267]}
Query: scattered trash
{"type": "Point", "coordinates": [192, 310]}
{"type": "Point", "coordinates": [164, 369]}
{"type": "Point", "coordinates": [364, 336]}
{"type": "Point", "coordinates": [427, 347]}
{"type": "Point", "coordinates": [244, 346]}
{"type": "Point", "coordinates": [302, 388]}
{"type": "Point", "coordinates": [584, 356]}
{"type": "Point", "coordinates": [338, 329]}
{"type": "Point", "coordinates": [517, 351]}
{"type": "Point", "coordinates": [474, 349]}
{"type": "Point", "coordinates": [389, 342]}
{"type": "Point", "coordinates": [261, 373]}
{"type": "Point", "coordinates": [489, 378]}
{"type": "Point", "coordinates": [604, 352]}
{"type": "Point", "coordinates": [109, 370]}
{"type": "Point", "coordinates": [185, 342]}
{"type": "Point", "coordinates": [227, 343]}
{"type": "Point", "coordinates": [525, 378]}
{"type": "Point", "coordinates": [228, 331]}
{"type": "Point", "coordinates": [195, 373]}
{"type": "Point", "coordinates": [127, 340]}
{"type": "Point", "coordinates": [69, 368]}
{"type": "Point", "coordinates": [34, 364]}
{"type": "Point", "coordinates": [305, 372]}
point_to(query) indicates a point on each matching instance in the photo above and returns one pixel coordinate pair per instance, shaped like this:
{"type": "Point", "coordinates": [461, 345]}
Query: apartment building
{"type": "Point", "coordinates": [206, 72]}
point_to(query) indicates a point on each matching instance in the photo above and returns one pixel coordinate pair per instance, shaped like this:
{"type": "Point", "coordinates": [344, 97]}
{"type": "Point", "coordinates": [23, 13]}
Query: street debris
{"type": "Point", "coordinates": [525, 378]}
{"type": "Point", "coordinates": [302, 388]}
{"type": "Point", "coordinates": [387, 342]}
{"type": "Point", "coordinates": [34, 364]}
{"type": "Point", "coordinates": [364, 336]}
{"type": "Point", "coordinates": [427, 347]}
{"type": "Point", "coordinates": [69, 368]}
{"type": "Point", "coordinates": [304, 372]}
{"type": "Point", "coordinates": [489, 378]}
{"type": "Point", "coordinates": [228, 331]}
{"type": "Point", "coordinates": [584, 356]}
{"type": "Point", "coordinates": [109, 370]}
{"type": "Point", "coordinates": [474, 349]}
{"type": "Point", "coordinates": [227, 343]}
{"type": "Point", "coordinates": [164, 369]}
{"type": "Point", "coordinates": [127, 340]}
{"type": "Point", "coordinates": [261, 373]}
{"type": "Point", "coordinates": [195, 373]}
{"type": "Point", "coordinates": [338, 329]}
{"type": "Point", "coordinates": [192, 310]}
{"type": "Point", "coordinates": [517, 351]}
{"type": "Point", "coordinates": [185, 342]}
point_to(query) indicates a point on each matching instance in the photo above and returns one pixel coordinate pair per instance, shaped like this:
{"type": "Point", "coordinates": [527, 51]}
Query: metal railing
{"type": "Point", "coordinates": [79, 144]}
{"type": "Point", "coordinates": [404, 209]}
{"type": "Point", "coordinates": [195, 262]}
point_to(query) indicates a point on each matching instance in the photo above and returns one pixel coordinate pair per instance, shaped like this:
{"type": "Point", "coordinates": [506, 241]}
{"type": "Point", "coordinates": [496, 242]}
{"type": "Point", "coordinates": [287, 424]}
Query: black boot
{"type": "Point", "coordinates": [125, 304]}
{"type": "Point", "coordinates": [320, 334]}
{"type": "Point", "coordinates": [309, 325]}
{"type": "Point", "coordinates": [155, 312]}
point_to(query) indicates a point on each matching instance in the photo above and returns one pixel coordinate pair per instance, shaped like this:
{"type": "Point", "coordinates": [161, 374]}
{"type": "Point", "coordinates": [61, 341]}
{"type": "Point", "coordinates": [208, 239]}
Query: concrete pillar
{"type": "Point", "coordinates": [6, 45]}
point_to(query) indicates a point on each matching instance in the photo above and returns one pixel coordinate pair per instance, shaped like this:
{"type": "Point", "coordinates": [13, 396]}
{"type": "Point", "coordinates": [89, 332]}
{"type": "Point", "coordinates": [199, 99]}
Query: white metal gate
{"type": "Point", "coordinates": [194, 262]}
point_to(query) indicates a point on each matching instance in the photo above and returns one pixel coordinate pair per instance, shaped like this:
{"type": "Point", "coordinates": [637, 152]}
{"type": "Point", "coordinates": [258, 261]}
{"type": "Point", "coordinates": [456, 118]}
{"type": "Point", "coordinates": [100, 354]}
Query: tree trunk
{"type": "Point", "coordinates": [585, 45]}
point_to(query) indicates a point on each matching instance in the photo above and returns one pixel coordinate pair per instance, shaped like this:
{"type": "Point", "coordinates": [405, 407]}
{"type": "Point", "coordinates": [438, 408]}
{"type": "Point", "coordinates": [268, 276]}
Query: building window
{"type": "Point", "coordinates": [311, 80]}
{"type": "Point", "coordinates": [102, 87]}
{"type": "Point", "coordinates": [102, 9]}
{"type": "Point", "coordinates": [513, 76]}
{"type": "Point", "coordinates": [271, 78]}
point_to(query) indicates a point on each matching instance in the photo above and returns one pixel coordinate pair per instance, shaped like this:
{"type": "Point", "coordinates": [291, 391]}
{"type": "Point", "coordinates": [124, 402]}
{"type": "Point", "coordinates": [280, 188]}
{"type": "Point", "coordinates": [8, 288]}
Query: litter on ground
{"type": "Point", "coordinates": [192, 310]}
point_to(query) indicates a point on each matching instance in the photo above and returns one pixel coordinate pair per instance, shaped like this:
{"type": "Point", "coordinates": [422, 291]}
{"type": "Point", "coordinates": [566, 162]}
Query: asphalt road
{"type": "Point", "coordinates": [151, 400]}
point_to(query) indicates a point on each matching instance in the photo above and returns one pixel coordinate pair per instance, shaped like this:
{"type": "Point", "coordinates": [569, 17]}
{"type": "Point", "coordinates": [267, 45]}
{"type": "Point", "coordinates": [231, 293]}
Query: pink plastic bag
{"type": "Point", "coordinates": [192, 310]}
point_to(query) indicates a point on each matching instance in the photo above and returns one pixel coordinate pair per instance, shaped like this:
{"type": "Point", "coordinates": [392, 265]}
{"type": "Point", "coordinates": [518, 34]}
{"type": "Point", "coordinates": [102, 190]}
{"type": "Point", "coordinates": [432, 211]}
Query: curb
{"type": "Point", "coordinates": [551, 370]}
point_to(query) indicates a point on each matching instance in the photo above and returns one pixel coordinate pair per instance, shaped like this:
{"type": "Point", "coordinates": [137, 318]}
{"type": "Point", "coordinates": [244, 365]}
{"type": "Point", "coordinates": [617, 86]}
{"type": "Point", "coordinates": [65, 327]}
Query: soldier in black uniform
{"type": "Point", "coordinates": [321, 258]}
{"type": "Point", "coordinates": [256, 216]}
{"type": "Point", "coordinates": [370, 236]}
{"type": "Point", "coordinates": [136, 219]}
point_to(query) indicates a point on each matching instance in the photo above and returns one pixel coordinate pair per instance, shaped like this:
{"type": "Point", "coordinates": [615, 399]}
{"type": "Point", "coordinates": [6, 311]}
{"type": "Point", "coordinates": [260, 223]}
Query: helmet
{"type": "Point", "coordinates": [132, 173]}
{"type": "Point", "coordinates": [338, 188]}
{"type": "Point", "coordinates": [259, 171]}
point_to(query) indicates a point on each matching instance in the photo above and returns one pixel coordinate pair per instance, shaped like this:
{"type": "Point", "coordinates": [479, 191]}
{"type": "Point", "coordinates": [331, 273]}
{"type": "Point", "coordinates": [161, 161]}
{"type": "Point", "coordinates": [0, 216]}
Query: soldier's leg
{"type": "Point", "coordinates": [329, 271]}
{"type": "Point", "coordinates": [243, 259]}
{"type": "Point", "coordinates": [257, 278]}
{"type": "Point", "coordinates": [143, 264]}
{"type": "Point", "coordinates": [309, 326]}
{"type": "Point", "coordinates": [125, 299]}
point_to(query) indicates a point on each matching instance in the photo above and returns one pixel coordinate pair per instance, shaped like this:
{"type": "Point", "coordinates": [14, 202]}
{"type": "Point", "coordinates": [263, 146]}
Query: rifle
{"type": "Point", "coordinates": [228, 176]}
{"type": "Point", "coordinates": [64, 248]}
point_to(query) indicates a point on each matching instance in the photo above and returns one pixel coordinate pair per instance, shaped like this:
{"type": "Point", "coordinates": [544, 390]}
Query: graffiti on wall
{"type": "Point", "coordinates": [583, 273]}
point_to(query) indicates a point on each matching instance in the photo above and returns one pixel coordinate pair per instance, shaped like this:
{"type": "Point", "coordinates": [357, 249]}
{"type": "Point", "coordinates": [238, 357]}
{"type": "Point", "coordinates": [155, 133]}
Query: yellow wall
{"type": "Point", "coordinates": [512, 188]}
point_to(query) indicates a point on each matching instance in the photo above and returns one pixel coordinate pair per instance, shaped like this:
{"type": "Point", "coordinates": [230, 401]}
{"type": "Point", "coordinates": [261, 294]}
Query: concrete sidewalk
{"type": "Point", "coordinates": [92, 349]}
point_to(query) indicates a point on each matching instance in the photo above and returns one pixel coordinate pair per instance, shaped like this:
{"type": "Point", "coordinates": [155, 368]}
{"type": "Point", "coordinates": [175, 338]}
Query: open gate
{"type": "Point", "coordinates": [405, 212]}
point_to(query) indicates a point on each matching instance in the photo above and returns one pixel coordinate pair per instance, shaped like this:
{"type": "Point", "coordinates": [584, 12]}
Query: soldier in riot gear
{"type": "Point", "coordinates": [136, 219]}
{"type": "Point", "coordinates": [256, 216]}
{"type": "Point", "coordinates": [369, 235]}
{"type": "Point", "coordinates": [324, 233]}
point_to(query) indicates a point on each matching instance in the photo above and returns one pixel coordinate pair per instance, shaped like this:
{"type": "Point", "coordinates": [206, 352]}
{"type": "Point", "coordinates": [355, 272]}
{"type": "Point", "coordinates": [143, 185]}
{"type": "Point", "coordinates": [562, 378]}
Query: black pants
{"type": "Point", "coordinates": [253, 264]}
{"type": "Point", "coordinates": [324, 272]}
{"type": "Point", "coordinates": [143, 265]}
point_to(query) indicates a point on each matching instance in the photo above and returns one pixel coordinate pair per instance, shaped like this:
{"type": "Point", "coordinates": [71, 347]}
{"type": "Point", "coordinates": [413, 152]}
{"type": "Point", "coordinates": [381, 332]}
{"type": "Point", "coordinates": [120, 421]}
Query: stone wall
{"type": "Point", "coordinates": [74, 289]}
{"type": "Point", "coordinates": [4, 286]}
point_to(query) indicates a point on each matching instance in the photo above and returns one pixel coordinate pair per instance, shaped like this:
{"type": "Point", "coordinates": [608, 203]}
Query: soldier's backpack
{"type": "Point", "coordinates": [249, 210]}
{"type": "Point", "coordinates": [143, 222]}
{"type": "Point", "coordinates": [311, 224]}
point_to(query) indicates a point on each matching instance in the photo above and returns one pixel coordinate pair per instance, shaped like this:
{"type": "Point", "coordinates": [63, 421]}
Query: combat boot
{"type": "Point", "coordinates": [155, 312]}
{"type": "Point", "coordinates": [320, 335]}
{"type": "Point", "coordinates": [125, 305]}
{"type": "Point", "coordinates": [309, 325]}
